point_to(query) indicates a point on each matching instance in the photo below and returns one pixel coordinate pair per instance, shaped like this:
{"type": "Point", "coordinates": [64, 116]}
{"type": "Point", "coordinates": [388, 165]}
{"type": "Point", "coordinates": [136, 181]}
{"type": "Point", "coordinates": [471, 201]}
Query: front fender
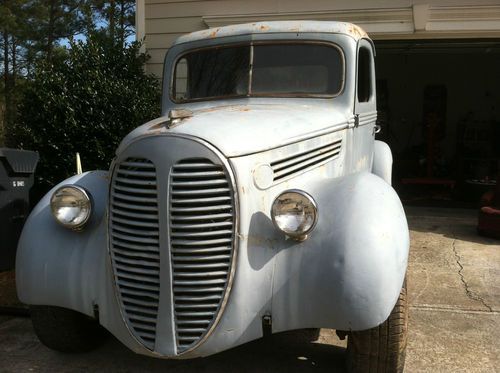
{"type": "Point", "coordinates": [58, 266]}
{"type": "Point", "coordinates": [382, 161]}
{"type": "Point", "coordinates": [349, 273]}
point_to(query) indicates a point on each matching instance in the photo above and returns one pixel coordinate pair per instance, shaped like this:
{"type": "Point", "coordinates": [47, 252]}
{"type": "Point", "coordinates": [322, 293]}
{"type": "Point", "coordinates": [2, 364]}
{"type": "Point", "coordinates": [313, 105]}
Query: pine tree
{"type": "Point", "coordinates": [118, 16]}
{"type": "Point", "coordinates": [11, 37]}
{"type": "Point", "coordinates": [54, 20]}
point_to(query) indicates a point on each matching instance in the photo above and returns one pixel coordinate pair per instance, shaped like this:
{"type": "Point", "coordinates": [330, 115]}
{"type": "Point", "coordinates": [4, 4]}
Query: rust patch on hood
{"type": "Point", "coordinates": [157, 126]}
{"type": "Point", "coordinates": [223, 107]}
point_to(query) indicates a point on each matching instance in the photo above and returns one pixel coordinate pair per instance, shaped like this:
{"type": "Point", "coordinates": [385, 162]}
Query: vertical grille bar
{"type": "Point", "coordinates": [134, 245]}
{"type": "Point", "coordinates": [201, 234]}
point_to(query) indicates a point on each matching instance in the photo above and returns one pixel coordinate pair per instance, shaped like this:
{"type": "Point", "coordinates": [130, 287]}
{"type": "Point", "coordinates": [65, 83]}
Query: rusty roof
{"type": "Point", "coordinates": [346, 28]}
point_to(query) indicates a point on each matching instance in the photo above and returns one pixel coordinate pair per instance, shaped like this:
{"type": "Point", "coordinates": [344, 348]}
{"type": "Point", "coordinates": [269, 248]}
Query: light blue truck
{"type": "Point", "coordinates": [259, 202]}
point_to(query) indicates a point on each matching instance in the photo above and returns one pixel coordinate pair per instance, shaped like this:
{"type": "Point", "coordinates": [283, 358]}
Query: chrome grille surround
{"type": "Point", "coordinates": [201, 239]}
{"type": "Point", "coordinates": [164, 152]}
{"type": "Point", "coordinates": [134, 245]}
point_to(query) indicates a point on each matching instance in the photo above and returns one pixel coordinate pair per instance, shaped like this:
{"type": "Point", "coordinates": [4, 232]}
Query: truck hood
{"type": "Point", "coordinates": [238, 130]}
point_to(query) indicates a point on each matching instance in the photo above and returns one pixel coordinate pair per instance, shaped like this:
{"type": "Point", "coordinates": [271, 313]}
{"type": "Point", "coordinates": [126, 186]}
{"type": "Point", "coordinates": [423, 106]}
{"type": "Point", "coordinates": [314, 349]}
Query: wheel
{"type": "Point", "coordinates": [383, 348]}
{"type": "Point", "coordinates": [65, 330]}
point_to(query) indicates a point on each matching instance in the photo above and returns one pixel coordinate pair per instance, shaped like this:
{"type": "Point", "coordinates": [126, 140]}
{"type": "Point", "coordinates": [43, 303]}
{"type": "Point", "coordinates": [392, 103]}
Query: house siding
{"type": "Point", "coordinates": [160, 22]}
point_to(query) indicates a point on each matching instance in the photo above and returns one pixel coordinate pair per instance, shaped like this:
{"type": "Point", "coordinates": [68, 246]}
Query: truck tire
{"type": "Point", "coordinates": [383, 348]}
{"type": "Point", "coordinates": [65, 330]}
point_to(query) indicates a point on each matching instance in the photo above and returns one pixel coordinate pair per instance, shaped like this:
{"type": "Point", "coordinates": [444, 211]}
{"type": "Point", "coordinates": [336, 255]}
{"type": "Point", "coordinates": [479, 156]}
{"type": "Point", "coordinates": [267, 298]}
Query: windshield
{"type": "Point", "coordinates": [290, 70]}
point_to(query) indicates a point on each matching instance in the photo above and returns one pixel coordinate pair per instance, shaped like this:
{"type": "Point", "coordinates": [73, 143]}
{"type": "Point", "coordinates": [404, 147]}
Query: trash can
{"type": "Point", "coordinates": [17, 171]}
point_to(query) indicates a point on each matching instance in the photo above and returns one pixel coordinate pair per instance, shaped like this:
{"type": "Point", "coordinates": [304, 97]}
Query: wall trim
{"type": "Point", "coordinates": [417, 22]}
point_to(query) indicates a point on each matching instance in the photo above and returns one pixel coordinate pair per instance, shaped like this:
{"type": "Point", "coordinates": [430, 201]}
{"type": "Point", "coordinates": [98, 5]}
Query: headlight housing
{"type": "Point", "coordinates": [71, 206]}
{"type": "Point", "coordinates": [295, 213]}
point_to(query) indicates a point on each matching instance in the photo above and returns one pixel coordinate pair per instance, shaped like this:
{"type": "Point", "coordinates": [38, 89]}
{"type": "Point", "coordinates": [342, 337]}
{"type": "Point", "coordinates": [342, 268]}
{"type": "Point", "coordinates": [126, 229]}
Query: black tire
{"type": "Point", "coordinates": [65, 330]}
{"type": "Point", "coordinates": [381, 349]}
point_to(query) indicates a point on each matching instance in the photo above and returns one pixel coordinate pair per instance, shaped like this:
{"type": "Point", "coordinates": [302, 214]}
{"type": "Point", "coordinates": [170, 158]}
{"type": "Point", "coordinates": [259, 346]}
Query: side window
{"type": "Point", "coordinates": [365, 79]}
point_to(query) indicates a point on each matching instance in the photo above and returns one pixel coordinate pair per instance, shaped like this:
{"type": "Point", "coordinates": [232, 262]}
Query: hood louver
{"type": "Point", "coordinates": [303, 161]}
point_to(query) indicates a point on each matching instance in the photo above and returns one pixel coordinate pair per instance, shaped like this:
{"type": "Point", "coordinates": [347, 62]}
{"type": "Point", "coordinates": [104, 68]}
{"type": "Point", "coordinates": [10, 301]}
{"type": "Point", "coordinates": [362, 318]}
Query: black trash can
{"type": "Point", "coordinates": [17, 171]}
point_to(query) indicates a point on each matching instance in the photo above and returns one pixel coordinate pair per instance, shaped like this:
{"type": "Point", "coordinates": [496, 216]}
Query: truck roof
{"type": "Point", "coordinates": [332, 27]}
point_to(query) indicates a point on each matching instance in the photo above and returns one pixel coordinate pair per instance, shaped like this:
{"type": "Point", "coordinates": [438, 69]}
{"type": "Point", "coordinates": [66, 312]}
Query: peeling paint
{"type": "Point", "coordinates": [356, 31]}
{"type": "Point", "coordinates": [213, 34]}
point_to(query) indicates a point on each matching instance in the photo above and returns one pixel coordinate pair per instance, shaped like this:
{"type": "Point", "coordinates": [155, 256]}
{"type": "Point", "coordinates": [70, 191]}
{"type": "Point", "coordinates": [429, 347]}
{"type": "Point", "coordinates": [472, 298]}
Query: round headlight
{"type": "Point", "coordinates": [295, 213]}
{"type": "Point", "coordinates": [71, 206]}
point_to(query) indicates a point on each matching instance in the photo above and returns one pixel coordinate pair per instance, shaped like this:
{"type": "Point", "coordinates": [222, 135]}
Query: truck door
{"type": "Point", "coordinates": [365, 106]}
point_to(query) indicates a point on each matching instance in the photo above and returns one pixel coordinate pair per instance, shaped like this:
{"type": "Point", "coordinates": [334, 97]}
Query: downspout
{"type": "Point", "coordinates": [140, 23]}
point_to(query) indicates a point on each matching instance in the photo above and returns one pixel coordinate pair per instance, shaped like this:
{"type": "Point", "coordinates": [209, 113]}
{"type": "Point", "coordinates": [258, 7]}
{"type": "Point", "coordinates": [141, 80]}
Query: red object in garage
{"type": "Point", "coordinates": [489, 213]}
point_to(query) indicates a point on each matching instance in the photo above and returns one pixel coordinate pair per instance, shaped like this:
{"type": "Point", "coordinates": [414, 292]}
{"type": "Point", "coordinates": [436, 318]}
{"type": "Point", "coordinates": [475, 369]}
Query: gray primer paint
{"type": "Point", "coordinates": [346, 275]}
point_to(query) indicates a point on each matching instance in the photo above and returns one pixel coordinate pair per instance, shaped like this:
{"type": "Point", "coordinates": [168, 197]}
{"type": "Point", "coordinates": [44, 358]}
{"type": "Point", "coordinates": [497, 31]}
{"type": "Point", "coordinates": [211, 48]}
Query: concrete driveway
{"type": "Point", "coordinates": [454, 287]}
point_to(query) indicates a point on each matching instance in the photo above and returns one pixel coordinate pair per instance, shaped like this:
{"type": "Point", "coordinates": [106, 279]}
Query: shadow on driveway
{"type": "Point", "coordinates": [21, 351]}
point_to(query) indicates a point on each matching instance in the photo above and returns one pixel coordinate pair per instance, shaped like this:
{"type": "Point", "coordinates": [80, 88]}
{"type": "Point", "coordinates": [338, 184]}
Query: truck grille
{"type": "Point", "coordinates": [201, 234]}
{"type": "Point", "coordinates": [134, 239]}
{"type": "Point", "coordinates": [172, 225]}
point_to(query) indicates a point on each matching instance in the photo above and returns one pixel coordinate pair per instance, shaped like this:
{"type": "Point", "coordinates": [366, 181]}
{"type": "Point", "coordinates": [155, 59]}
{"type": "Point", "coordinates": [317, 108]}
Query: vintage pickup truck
{"type": "Point", "coordinates": [259, 202]}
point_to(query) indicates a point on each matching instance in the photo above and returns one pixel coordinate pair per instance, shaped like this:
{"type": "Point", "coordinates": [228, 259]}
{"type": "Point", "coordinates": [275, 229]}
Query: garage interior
{"type": "Point", "coordinates": [439, 108]}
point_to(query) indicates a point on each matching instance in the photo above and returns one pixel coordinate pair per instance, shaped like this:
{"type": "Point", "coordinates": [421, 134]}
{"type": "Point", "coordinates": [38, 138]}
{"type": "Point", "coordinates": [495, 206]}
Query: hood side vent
{"type": "Point", "coordinates": [303, 161]}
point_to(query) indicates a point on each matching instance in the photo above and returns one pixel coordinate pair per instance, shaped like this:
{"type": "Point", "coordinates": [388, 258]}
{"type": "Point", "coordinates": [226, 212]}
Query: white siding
{"type": "Point", "coordinates": [165, 20]}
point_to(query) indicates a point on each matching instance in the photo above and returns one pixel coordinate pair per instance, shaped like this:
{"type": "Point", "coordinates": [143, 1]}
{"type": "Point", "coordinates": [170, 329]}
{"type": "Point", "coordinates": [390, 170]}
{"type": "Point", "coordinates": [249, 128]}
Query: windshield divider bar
{"type": "Point", "coordinates": [250, 69]}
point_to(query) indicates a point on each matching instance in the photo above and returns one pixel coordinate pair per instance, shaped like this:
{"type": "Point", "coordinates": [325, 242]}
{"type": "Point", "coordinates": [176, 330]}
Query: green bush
{"type": "Point", "coordinates": [85, 102]}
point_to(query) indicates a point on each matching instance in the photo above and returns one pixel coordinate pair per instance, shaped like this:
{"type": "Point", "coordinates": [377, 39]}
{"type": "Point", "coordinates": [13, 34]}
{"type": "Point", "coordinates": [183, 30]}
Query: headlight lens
{"type": "Point", "coordinates": [295, 213]}
{"type": "Point", "coordinates": [71, 206]}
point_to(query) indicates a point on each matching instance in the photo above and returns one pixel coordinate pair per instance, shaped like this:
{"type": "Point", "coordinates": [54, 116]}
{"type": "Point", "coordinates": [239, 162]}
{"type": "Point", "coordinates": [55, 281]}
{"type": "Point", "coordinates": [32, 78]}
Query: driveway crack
{"type": "Point", "coordinates": [468, 292]}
